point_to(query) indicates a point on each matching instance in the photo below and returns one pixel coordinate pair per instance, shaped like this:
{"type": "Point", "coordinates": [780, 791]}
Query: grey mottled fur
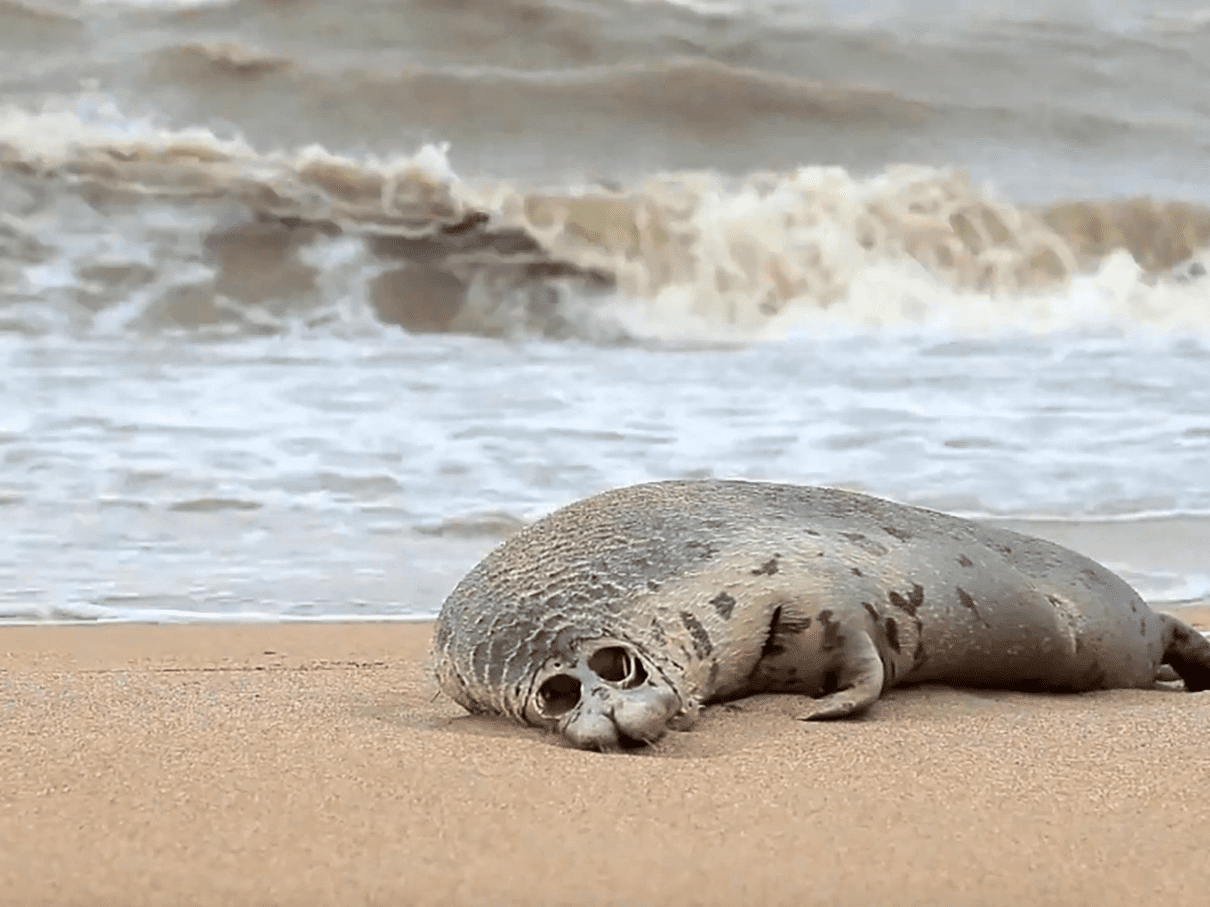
{"type": "Point", "coordinates": [725, 588]}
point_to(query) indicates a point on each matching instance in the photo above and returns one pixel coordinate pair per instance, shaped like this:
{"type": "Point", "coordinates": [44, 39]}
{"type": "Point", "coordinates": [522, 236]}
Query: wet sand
{"type": "Point", "coordinates": [311, 764]}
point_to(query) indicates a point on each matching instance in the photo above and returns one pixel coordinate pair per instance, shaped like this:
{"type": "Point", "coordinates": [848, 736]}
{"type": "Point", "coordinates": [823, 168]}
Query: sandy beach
{"type": "Point", "coordinates": [314, 764]}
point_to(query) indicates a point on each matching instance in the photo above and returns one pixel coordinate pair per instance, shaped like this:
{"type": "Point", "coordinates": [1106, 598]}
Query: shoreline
{"type": "Point", "coordinates": [313, 764]}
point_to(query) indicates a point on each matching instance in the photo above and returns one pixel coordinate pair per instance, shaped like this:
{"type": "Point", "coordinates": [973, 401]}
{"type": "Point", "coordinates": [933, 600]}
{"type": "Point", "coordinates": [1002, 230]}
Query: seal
{"type": "Point", "coordinates": [619, 616]}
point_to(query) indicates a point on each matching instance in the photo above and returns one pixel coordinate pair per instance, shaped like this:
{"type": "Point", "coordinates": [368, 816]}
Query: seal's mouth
{"type": "Point", "coordinates": [607, 700]}
{"type": "Point", "coordinates": [632, 743]}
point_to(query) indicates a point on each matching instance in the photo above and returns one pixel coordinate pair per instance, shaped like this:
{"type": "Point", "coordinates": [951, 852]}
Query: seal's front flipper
{"type": "Point", "coordinates": [1188, 653]}
{"type": "Point", "coordinates": [860, 678]}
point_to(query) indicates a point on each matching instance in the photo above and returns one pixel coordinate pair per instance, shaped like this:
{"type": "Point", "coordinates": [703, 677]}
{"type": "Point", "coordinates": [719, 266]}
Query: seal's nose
{"type": "Point", "coordinates": [610, 719]}
{"type": "Point", "coordinates": [643, 713]}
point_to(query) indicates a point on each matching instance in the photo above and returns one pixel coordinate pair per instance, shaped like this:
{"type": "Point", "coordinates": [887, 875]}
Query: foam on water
{"type": "Point", "coordinates": [689, 256]}
{"type": "Point", "coordinates": [219, 413]}
{"type": "Point", "coordinates": [309, 473]}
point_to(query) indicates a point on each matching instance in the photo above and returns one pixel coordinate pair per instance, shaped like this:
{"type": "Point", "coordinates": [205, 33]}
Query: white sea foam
{"type": "Point", "coordinates": [691, 256]}
{"type": "Point", "coordinates": [216, 420]}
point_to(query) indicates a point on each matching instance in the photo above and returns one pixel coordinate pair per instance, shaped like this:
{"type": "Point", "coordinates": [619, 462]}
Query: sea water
{"type": "Point", "coordinates": [305, 308]}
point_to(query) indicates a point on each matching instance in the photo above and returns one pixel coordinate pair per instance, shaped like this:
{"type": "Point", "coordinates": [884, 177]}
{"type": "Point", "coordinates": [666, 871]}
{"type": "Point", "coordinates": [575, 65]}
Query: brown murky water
{"type": "Point", "coordinates": [303, 305]}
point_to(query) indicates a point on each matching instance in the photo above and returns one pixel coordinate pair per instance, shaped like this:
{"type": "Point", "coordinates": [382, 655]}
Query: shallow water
{"type": "Point", "coordinates": [268, 347]}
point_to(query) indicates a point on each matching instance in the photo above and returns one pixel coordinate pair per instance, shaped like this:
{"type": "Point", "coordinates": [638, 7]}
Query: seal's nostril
{"type": "Point", "coordinates": [617, 665]}
{"type": "Point", "coordinates": [611, 663]}
{"type": "Point", "coordinates": [558, 695]}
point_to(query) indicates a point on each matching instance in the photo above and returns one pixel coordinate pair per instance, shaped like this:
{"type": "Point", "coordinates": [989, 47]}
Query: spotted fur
{"type": "Point", "coordinates": [727, 588]}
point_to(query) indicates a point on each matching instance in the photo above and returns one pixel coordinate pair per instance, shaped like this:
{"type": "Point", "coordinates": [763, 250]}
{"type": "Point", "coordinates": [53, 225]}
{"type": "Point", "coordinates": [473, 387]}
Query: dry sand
{"type": "Point", "coordinates": [311, 765]}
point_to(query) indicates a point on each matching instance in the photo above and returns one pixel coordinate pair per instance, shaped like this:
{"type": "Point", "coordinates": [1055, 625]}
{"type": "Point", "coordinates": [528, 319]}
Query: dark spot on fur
{"type": "Point", "coordinates": [771, 647]}
{"type": "Point", "coordinates": [892, 633]}
{"type": "Point", "coordinates": [713, 674]}
{"type": "Point", "coordinates": [965, 561]}
{"type": "Point", "coordinates": [969, 603]}
{"type": "Point", "coordinates": [1006, 550]}
{"type": "Point", "coordinates": [888, 673]}
{"type": "Point", "coordinates": [781, 629]}
{"type": "Point", "coordinates": [868, 545]}
{"type": "Point", "coordinates": [657, 631]}
{"type": "Point", "coordinates": [897, 533]}
{"type": "Point", "coordinates": [856, 571]}
{"type": "Point", "coordinates": [832, 639]}
{"type": "Point", "coordinates": [791, 627]}
{"type": "Point", "coordinates": [1133, 609]}
{"type": "Point", "coordinates": [811, 532]}
{"type": "Point", "coordinates": [910, 604]}
{"type": "Point", "coordinates": [1142, 626]}
{"type": "Point", "coordinates": [653, 585]}
{"type": "Point", "coordinates": [873, 612]}
{"type": "Point", "coordinates": [703, 550]}
{"type": "Point", "coordinates": [919, 656]}
{"type": "Point", "coordinates": [701, 639]}
{"type": "Point", "coordinates": [724, 604]}
{"type": "Point", "coordinates": [768, 568]}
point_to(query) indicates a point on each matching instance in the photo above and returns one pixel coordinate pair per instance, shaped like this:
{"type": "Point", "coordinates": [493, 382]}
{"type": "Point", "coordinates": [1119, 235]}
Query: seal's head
{"type": "Point", "coordinates": [596, 689]}
{"type": "Point", "coordinates": [556, 628]}
{"type": "Point", "coordinates": [606, 696]}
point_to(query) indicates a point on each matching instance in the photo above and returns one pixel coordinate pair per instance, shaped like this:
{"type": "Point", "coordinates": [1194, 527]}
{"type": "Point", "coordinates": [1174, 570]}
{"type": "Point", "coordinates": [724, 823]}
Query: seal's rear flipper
{"type": "Point", "coordinates": [1188, 652]}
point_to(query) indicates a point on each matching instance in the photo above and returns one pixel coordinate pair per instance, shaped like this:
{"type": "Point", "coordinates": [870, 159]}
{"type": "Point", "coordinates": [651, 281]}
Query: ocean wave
{"type": "Point", "coordinates": [1165, 590]}
{"type": "Point", "coordinates": [689, 254]}
{"type": "Point", "coordinates": [497, 524]}
{"type": "Point", "coordinates": [196, 61]}
{"type": "Point", "coordinates": [32, 20]}
{"type": "Point", "coordinates": [1160, 590]}
{"type": "Point", "coordinates": [134, 612]}
{"type": "Point", "coordinates": [682, 100]}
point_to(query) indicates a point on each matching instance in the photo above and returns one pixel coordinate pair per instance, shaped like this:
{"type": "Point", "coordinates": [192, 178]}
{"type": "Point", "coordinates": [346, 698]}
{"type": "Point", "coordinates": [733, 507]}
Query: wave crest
{"type": "Point", "coordinates": [695, 254]}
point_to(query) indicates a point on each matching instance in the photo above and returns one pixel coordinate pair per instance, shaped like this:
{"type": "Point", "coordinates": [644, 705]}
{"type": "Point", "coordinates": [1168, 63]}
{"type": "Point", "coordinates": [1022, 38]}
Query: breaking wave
{"type": "Point", "coordinates": [182, 229]}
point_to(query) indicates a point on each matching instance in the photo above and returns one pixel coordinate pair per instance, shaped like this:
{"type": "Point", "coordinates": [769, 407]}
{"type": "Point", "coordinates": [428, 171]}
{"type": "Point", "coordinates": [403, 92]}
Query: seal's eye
{"type": "Point", "coordinates": [617, 665]}
{"type": "Point", "coordinates": [558, 695]}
